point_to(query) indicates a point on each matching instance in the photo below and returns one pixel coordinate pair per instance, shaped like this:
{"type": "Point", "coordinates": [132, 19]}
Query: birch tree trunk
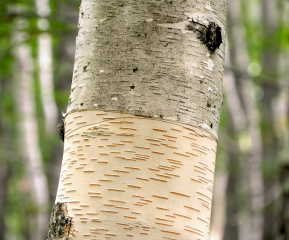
{"type": "Point", "coordinates": [45, 73]}
{"type": "Point", "coordinates": [28, 130]}
{"type": "Point", "coordinates": [141, 125]}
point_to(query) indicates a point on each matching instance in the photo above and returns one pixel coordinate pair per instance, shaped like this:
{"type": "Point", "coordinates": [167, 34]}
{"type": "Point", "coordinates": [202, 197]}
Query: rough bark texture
{"type": "Point", "coordinates": [142, 120]}
{"type": "Point", "coordinates": [139, 57]}
{"type": "Point", "coordinates": [60, 226]}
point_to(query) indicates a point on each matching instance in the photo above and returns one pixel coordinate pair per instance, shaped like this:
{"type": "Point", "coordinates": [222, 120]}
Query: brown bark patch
{"type": "Point", "coordinates": [60, 224]}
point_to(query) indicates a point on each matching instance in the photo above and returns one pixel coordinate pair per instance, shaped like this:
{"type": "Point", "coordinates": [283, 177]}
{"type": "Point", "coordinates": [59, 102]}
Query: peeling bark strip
{"type": "Point", "coordinates": [130, 176]}
{"type": "Point", "coordinates": [60, 224]}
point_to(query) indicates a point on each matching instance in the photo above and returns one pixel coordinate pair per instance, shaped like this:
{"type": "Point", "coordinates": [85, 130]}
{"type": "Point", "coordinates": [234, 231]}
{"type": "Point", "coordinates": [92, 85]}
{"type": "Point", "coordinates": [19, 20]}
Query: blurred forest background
{"type": "Point", "coordinates": [251, 194]}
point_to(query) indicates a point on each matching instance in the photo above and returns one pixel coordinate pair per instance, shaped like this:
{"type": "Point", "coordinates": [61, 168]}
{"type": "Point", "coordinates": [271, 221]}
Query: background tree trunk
{"type": "Point", "coordinates": [280, 108]}
{"type": "Point", "coordinates": [28, 132]}
{"type": "Point", "coordinates": [45, 73]}
{"type": "Point", "coordinates": [219, 204]}
{"type": "Point", "coordinates": [142, 121]}
{"type": "Point", "coordinates": [252, 150]}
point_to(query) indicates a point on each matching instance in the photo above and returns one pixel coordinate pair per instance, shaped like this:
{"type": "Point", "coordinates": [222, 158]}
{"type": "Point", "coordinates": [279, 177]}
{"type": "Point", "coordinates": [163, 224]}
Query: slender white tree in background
{"type": "Point", "coordinates": [45, 72]}
{"type": "Point", "coordinates": [141, 125]}
{"type": "Point", "coordinates": [28, 129]}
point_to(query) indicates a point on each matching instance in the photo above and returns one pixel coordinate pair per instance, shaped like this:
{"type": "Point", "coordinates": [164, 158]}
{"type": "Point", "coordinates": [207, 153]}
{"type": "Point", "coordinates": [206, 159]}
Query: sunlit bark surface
{"type": "Point", "coordinates": [139, 57]}
{"type": "Point", "coordinates": [129, 176]}
{"type": "Point", "coordinates": [142, 121]}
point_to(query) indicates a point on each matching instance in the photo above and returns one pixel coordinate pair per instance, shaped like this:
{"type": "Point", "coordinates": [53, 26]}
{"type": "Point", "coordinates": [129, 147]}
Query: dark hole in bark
{"type": "Point", "coordinates": [208, 104]}
{"type": "Point", "coordinates": [135, 69]}
{"type": "Point", "coordinates": [161, 116]}
{"type": "Point", "coordinates": [210, 35]}
{"type": "Point", "coordinates": [132, 87]}
{"type": "Point", "coordinates": [81, 104]}
{"type": "Point", "coordinates": [84, 68]}
{"type": "Point", "coordinates": [214, 106]}
{"type": "Point", "coordinates": [211, 125]}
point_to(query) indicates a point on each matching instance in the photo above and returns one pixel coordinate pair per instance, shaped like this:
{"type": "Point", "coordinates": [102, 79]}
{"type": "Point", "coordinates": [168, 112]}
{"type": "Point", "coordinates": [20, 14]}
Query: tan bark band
{"type": "Point", "coordinates": [128, 176]}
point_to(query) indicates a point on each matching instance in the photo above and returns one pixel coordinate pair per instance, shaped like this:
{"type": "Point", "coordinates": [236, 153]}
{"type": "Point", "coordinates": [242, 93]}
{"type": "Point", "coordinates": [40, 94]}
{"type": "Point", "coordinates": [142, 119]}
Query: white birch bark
{"type": "Point", "coordinates": [142, 120]}
{"type": "Point", "coordinates": [45, 67]}
{"type": "Point", "coordinates": [28, 130]}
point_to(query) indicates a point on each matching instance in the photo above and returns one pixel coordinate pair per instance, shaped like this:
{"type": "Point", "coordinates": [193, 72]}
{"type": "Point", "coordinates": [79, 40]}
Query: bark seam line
{"type": "Point", "coordinates": [137, 116]}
